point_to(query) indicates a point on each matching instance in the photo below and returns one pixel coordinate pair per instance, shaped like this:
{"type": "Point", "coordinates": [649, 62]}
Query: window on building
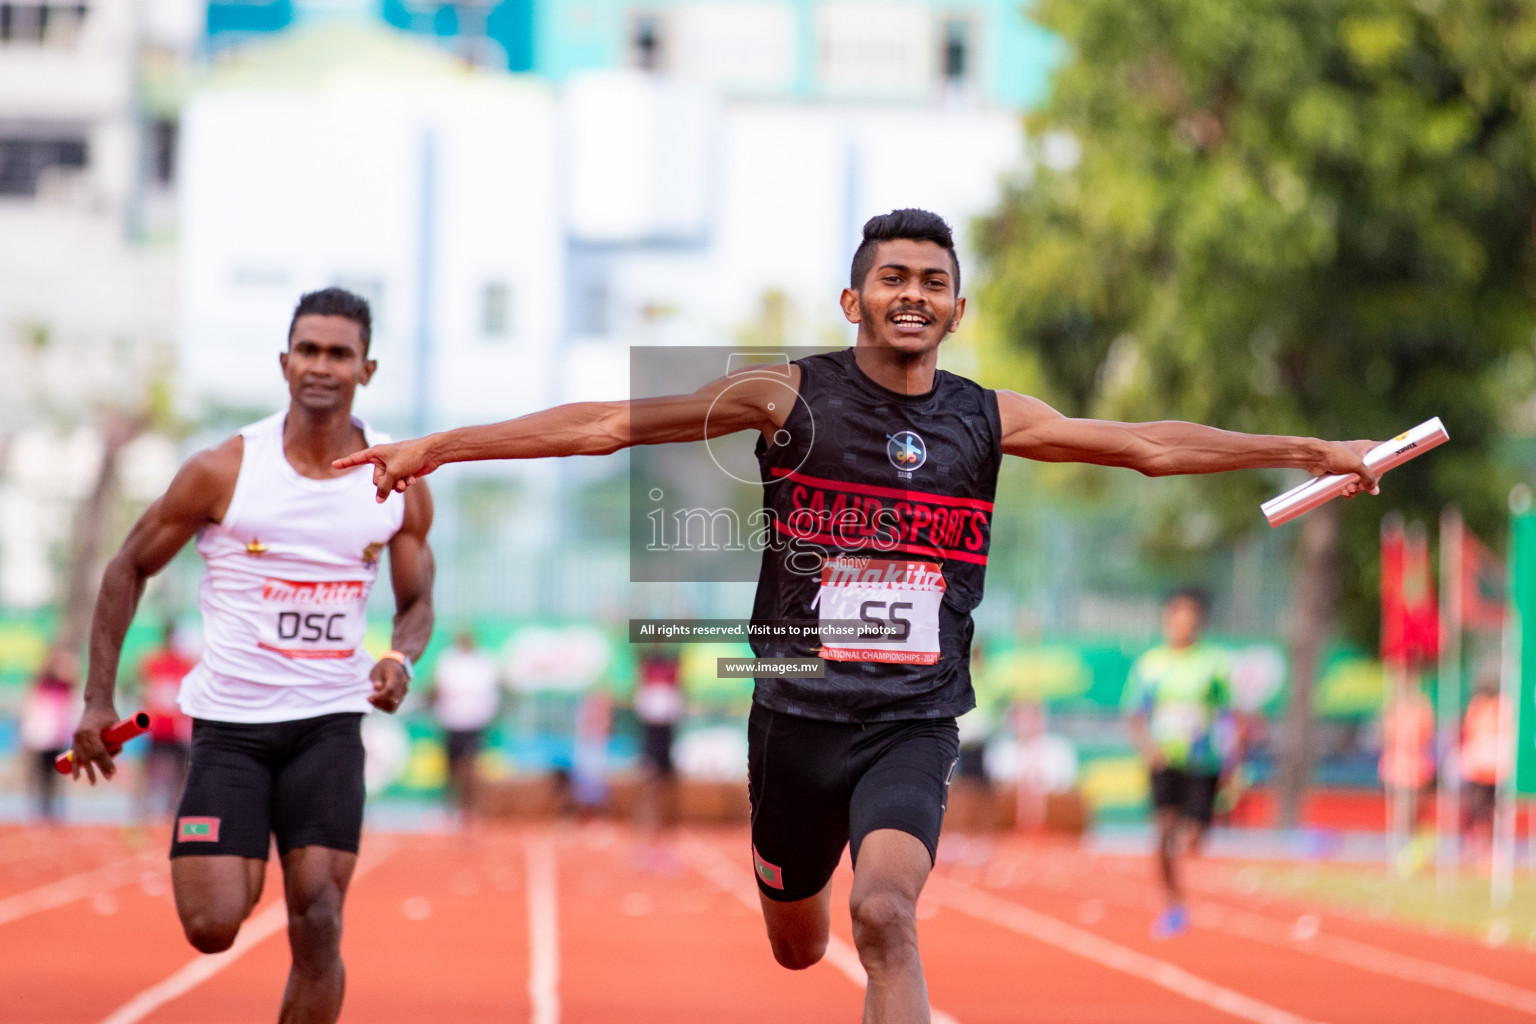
{"type": "Point", "coordinates": [646, 42]}
{"type": "Point", "coordinates": [955, 61]}
{"type": "Point", "coordinates": [163, 138]}
{"type": "Point", "coordinates": [496, 310]}
{"type": "Point", "coordinates": [27, 156]}
{"type": "Point", "coordinates": [738, 47]}
{"type": "Point", "coordinates": [56, 23]}
{"type": "Point", "coordinates": [876, 50]}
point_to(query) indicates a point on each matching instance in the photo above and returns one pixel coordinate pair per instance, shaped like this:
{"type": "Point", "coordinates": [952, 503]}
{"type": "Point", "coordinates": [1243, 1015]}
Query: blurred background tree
{"type": "Point", "coordinates": [1287, 216]}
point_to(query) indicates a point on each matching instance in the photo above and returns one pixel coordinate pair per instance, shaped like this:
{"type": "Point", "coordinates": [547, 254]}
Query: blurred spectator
{"type": "Point", "coordinates": [465, 699]}
{"type": "Point", "coordinates": [1179, 703]}
{"type": "Point", "coordinates": [1483, 760]}
{"type": "Point", "coordinates": [976, 727]}
{"type": "Point", "coordinates": [1407, 744]}
{"type": "Point", "coordinates": [589, 756]}
{"type": "Point", "coordinates": [659, 707]}
{"type": "Point", "coordinates": [47, 727]}
{"type": "Point", "coordinates": [170, 729]}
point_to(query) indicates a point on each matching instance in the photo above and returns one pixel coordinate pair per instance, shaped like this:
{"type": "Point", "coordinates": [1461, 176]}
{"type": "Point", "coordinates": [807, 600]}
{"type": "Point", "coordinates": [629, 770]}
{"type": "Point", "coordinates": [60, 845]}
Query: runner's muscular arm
{"type": "Point", "coordinates": [411, 571]}
{"type": "Point", "coordinates": [199, 494]}
{"type": "Point", "coordinates": [1033, 430]}
{"type": "Point", "coordinates": [748, 401]}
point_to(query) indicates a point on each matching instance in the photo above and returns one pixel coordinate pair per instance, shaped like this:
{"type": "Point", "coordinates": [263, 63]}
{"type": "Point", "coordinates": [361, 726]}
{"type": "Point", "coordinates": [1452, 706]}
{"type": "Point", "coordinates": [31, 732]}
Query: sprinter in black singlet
{"type": "Point", "coordinates": [879, 473]}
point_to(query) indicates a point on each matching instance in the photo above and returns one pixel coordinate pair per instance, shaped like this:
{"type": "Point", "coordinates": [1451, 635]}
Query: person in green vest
{"type": "Point", "coordinates": [1178, 700]}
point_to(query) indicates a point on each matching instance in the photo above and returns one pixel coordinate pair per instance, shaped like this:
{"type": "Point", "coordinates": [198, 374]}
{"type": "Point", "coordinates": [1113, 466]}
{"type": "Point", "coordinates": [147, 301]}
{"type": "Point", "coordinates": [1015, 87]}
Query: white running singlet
{"type": "Point", "coordinates": [289, 572]}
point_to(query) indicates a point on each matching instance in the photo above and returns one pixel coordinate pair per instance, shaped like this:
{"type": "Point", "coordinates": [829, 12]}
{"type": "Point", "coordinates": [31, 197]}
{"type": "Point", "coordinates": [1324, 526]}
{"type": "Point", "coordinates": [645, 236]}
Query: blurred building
{"type": "Point", "coordinates": [525, 190]}
{"type": "Point", "coordinates": [517, 237]}
{"type": "Point", "coordinates": [887, 51]}
{"type": "Point", "coordinates": [87, 269]}
{"type": "Point", "coordinates": [88, 169]}
{"type": "Point", "coordinates": [675, 173]}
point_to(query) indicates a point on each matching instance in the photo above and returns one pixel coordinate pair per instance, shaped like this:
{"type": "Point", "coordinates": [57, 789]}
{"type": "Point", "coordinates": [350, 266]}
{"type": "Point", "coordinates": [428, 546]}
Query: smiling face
{"type": "Point", "coordinates": [325, 363]}
{"type": "Point", "coordinates": [907, 300]}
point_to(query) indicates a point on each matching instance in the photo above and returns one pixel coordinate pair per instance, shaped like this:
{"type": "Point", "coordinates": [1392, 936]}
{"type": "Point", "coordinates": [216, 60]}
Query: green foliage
{"type": "Point", "coordinates": [1286, 216]}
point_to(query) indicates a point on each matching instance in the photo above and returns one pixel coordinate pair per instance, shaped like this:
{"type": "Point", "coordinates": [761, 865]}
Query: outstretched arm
{"type": "Point", "coordinates": [199, 494]}
{"type": "Point", "coordinates": [757, 400]}
{"type": "Point", "coordinates": [1033, 430]}
{"type": "Point", "coordinates": [411, 570]}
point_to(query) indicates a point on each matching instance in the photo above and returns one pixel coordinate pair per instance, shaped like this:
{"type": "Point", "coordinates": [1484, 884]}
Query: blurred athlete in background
{"type": "Point", "coordinates": [169, 752]}
{"type": "Point", "coordinates": [1179, 703]}
{"type": "Point", "coordinates": [466, 694]}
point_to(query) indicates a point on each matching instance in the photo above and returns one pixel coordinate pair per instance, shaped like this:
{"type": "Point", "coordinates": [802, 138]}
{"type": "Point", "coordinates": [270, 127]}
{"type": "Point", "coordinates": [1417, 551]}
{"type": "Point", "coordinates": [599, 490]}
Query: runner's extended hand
{"type": "Point", "coordinates": [395, 466]}
{"type": "Point", "coordinates": [1348, 457]}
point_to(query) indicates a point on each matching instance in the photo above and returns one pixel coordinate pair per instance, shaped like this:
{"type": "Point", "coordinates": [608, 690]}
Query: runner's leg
{"type": "Point", "coordinates": [214, 895]}
{"type": "Point", "coordinates": [895, 815]}
{"type": "Point", "coordinates": [315, 881]}
{"type": "Point", "coordinates": [891, 869]}
{"type": "Point", "coordinates": [1199, 811]}
{"type": "Point", "coordinates": [221, 832]}
{"type": "Point", "coordinates": [799, 827]}
{"type": "Point", "coordinates": [1194, 835]}
{"type": "Point", "coordinates": [1167, 820]}
{"type": "Point", "coordinates": [798, 931]}
{"type": "Point", "coordinates": [317, 816]}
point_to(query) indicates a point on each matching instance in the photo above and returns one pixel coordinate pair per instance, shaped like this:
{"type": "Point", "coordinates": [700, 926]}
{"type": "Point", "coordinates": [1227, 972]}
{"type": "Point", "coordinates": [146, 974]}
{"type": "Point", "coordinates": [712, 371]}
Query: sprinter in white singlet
{"type": "Point", "coordinates": [292, 547]}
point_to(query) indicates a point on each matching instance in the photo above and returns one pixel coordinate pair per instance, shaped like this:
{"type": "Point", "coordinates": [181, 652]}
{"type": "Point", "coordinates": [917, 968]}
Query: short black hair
{"type": "Point", "coordinates": [1199, 595]}
{"type": "Point", "coordinates": [911, 224]}
{"type": "Point", "coordinates": [335, 302]}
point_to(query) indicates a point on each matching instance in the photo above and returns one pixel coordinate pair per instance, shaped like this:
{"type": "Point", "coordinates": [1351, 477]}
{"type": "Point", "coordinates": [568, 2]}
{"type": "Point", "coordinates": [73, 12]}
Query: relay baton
{"type": "Point", "coordinates": [114, 736]}
{"type": "Point", "coordinates": [1306, 496]}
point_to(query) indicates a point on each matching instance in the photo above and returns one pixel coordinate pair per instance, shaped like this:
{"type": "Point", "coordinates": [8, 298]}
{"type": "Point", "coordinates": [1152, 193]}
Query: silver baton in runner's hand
{"type": "Point", "coordinates": [1304, 497]}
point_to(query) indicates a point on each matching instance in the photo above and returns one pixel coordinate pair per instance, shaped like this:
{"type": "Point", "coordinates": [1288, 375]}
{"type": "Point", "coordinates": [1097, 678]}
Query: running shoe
{"type": "Point", "coordinates": [1171, 922]}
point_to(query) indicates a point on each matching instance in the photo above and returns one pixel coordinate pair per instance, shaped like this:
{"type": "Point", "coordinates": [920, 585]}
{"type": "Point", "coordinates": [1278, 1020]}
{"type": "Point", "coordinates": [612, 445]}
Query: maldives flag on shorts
{"type": "Point", "coordinates": [1410, 622]}
{"type": "Point", "coordinates": [1483, 585]}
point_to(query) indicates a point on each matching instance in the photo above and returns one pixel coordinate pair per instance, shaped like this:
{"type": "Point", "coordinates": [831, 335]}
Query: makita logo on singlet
{"type": "Point", "coordinates": [318, 592]}
{"type": "Point", "coordinates": [898, 575]}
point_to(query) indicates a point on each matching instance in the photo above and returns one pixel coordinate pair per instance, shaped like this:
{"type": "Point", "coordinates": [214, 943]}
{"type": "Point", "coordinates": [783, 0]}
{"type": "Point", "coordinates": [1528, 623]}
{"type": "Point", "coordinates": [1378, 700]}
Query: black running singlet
{"type": "Point", "coordinates": [880, 507]}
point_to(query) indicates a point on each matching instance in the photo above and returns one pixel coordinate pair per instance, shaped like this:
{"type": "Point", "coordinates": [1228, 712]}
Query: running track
{"type": "Point", "coordinates": [559, 924]}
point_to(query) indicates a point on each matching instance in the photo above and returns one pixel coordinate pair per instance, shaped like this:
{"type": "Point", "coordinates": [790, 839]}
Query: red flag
{"type": "Point", "coordinates": [1482, 585]}
{"type": "Point", "coordinates": [1410, 621]}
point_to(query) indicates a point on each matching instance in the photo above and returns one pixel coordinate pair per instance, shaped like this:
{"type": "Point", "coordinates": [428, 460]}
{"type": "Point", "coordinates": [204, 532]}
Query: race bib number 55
{"type": "Point", "coordinates": [900, 601]}
{"type": "Point", "coordinates": [316, 619]}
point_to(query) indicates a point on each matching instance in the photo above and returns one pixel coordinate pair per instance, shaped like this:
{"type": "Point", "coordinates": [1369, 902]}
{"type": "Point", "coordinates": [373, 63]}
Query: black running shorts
{"type": "Point", "coordinates": [463, 744]}
{"type": "Point", "coordinates": [816, 786]}
{"type": "Point", "coordinates": [1192, 795]}
{"type": "Point", "coordinates": [656, 749]}
{"type": "Point", "coordinates": [301, 781]}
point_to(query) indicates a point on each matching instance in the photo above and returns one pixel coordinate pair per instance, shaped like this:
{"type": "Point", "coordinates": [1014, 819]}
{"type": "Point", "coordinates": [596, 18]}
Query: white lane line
{"type": "Point", "coordinates": [729, 878]}
{"type": "Point", "coordinates": [1343, 950]}
{"type": "Point", "coordinates": [195, 972]}
{"type": "Point", "coordinates": [1365, 956]}
{"type": "Point", "coordinates": [67, 890]}
{"type": "Point", "coordinates": [543, 931]}
{"type": "Point", "coordinates": [259, 927]}
{"type": "Point", "coordinates": [1102, 951]}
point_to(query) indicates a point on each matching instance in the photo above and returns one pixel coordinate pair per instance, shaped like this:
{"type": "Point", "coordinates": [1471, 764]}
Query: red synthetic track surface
{"type": "Point", "coordinates": [443, 929]}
